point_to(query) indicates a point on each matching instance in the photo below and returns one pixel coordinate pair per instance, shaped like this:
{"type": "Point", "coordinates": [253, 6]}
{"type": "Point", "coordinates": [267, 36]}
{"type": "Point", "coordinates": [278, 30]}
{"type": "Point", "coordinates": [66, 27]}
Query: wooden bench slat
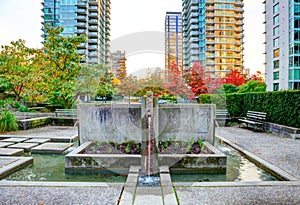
{"type": "Point", "coordinates": [257, 119]}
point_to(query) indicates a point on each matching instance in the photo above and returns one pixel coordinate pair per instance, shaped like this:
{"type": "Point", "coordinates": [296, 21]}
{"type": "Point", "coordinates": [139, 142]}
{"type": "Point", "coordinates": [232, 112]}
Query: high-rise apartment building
{"type": "Point", "coordinates": [282, 19]}
{"type": "Point", "coordinates": [118, 64]}
{"type": "Point", "coordinates": [213, 35]}
{"type": "Point", "coordinates": [89, 17]}
{"type": "Point", "coordinates": [173, 41]}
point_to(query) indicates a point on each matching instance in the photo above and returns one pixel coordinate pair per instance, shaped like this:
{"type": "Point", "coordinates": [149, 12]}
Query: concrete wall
{"type": "Point", "coordinates": [114, 122]}
{"type": "Point", "coordinates": [119, 122]}
{"type": "Point", "coordinates": [184, 122]}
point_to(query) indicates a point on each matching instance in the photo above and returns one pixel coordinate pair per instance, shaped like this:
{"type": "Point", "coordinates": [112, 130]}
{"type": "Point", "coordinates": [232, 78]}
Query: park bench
{"type": "Point", "coordinates": [254, 119]}
{"type": "Point", "coordinates": [222, 117]}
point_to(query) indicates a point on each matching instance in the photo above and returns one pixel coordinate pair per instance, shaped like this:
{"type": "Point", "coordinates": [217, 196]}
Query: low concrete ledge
{"type": "Point", "coordinates": [34, 122]}
{"type": "Point", "coordinates": [282, 130]}
{"type": "Point", "coordinates": [13, 164]}
{"type": "Point", "coordinates": [128, 194]}
{"type": "Point", "coordinates": [77, 161]}
{"type": "Point", "coordinates": [166, 184]}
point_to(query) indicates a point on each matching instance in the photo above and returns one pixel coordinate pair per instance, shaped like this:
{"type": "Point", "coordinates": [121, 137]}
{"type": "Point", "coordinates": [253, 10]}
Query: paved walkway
{"type": "Point", "coordinates": [281, 152]}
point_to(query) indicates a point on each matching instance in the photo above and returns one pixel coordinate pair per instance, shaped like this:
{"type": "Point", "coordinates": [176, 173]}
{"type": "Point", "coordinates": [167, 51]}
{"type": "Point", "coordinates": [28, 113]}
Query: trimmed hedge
{"type": "Point", "coordinates": [282, 107]}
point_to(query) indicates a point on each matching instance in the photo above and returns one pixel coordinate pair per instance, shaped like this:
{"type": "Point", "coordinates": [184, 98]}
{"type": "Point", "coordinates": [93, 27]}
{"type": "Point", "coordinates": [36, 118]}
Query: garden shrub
{"type": "Point", "coordinates": [282, 107]}
{"type": "Point", "coordinates": [7, 122]}
{"type": "Point", "coordinates": [218, 99]}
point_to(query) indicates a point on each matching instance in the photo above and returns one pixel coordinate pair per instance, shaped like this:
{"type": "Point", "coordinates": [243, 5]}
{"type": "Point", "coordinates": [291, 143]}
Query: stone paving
{"type": "Point", "coordinates": [38, 140]}
{"type": "Point", "coordinates": [282, 152]}
{"type": "Point", "coordinates": [55, 133]}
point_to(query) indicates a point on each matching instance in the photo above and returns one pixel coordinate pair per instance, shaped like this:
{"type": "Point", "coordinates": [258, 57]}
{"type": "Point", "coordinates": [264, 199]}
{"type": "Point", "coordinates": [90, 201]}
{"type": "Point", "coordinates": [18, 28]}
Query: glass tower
{"type": "Point", "coordinates": [282, 19]}
{"type": "Point", "coordinates": [173, 41]}
{"type": "Point", "coordinates": [213, 35]}
{"type": "Point", "coordinates": [89, 17]}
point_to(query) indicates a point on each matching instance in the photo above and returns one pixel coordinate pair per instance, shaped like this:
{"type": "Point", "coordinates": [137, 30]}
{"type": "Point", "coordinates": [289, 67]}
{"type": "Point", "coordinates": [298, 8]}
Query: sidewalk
{"type": "Point", "coordinates": [281, 152]}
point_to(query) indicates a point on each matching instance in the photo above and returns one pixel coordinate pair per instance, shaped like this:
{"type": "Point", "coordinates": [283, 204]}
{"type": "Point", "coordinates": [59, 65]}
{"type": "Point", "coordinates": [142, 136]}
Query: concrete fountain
{"type": "Point", "coordinates": [146, 124]}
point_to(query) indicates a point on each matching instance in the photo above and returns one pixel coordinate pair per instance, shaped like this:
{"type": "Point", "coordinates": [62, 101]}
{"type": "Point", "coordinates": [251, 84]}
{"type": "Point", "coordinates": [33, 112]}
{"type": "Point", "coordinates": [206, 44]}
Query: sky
{"type": "Point", "coordinates": [21, 19]}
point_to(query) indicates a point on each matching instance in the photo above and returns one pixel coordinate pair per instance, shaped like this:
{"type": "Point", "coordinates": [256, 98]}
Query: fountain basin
{"type": "Point", "coordinates": [77, 161]}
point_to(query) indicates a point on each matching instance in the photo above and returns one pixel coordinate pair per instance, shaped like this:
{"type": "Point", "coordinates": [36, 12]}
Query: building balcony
{"type": "Point", "coordinates": [93, 47]}
{"type": "Point", "coordinates": [239, 10]}
{"type": "Point", "coordinates": [239, 17]}
{"type": "Point", "coordinates": [81, 52]}
{"type": "Point", "coordinates": [82, 45]}
{"type": "Point", "coordinates": [93, 60]}
{"type": "Point", "coordinates": [81, 31]}
{"type": "Point", "coordinates": [93, 21]}
{"type": "Point", "coordinates": [94, 14]}
{"type": "Point", "coordinates": [93, 28]}
{"type": "Point", "coordinates": [194, 8]}
{"type": "Point", "coordinates": [81, 11]}
{"type": "Point", "coordinates": [81, 19]}
{"type": "Point", "coordinates": [93, 41]}
{"type": "Point", "coordinates": [93, 8]}
{"type": "Point", "coordinates": [93, 54]}
{"type": "Point", "coordinates": [82, 4]}
{"type": "Point", "coordinates": [81, 25]}
{"type": "Point", "coordinates": [239, 3]}
{"type": "Point", "coordinates": [93, 34]}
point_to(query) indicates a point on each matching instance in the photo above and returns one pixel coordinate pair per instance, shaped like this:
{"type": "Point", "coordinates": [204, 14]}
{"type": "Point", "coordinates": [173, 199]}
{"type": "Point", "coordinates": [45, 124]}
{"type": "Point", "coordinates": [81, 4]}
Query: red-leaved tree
{"type": "Point", "coordinates": [234, 77]}
{"type": "Point", "coordinates": [202, 82]}
{"type": "Point", "coordinates": [175, 83]}
{"type": "Point", "coordinates": [257, 77]}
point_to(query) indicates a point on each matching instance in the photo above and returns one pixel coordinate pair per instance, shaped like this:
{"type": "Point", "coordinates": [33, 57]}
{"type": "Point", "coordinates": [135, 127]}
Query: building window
{"type": "Point", "coordinates": [276, 31]}
{"type": "Point", "coordinates": [296, 74]}
{"type": "Point", "coordinates": [276, 86]}
{"type": "Point", "coordinates": [290, 74]}
{"type": "Point", "coordinates": [275, 19]}
{"type": "Point", "coordinates": [297, 10]}
{"type": "Point", "coordinates": [297, 22]}
{"type": "Point", "coordinates": [297, 48]}
{"type": "Point", "coordinates": [275, 75]}
{"type": "Point", "coordinates": [296, 61]}
{"type": "Point", "coordinates": [275, 42]}
{"type": "Point", "coordinates": [276, 53]}
{"type": "Point", "coordinates": [276, 64]}
{"type": "Point", "coordinates": [275, 8]}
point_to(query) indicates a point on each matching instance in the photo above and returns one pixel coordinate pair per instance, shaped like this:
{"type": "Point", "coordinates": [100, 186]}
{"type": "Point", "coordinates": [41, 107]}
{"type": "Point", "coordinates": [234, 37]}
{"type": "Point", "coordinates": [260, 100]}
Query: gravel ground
{"type": "Point", "coordinates": [239, 195]}
{"type": "Point", "coordinates": [59, 195]}
{"type": "Point", "coordinates": [282, 152]}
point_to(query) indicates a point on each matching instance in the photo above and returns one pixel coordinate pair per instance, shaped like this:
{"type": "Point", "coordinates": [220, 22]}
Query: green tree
{"type": "Point", "coordinates": [229, 88]}
{"type": "Point", "coordinates": [60, 66]}
{"type": "Point", "coordinates": [128, 86]}
{"type": "Point", "coordinates": [17, 72]}
{"type": "Point", "coordinates": [252, 86]}
{"type": "Point", "coordinates": [106, 86]}
{"type": "Point", "coordinates": [92, 79]}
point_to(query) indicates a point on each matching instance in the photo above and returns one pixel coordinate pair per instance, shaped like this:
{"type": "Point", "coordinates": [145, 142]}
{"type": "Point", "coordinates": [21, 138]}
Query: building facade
{"type": "Point", "coordinates": [118, 64]}
{"type": "Point", "coordinates": [213, 35]}
{"type": "Point", "coordinates": [173, 42]}
{"type": "Point", "coordinates": [89, 17]}
{"type": "Point", "coordinates": [282, 24]}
